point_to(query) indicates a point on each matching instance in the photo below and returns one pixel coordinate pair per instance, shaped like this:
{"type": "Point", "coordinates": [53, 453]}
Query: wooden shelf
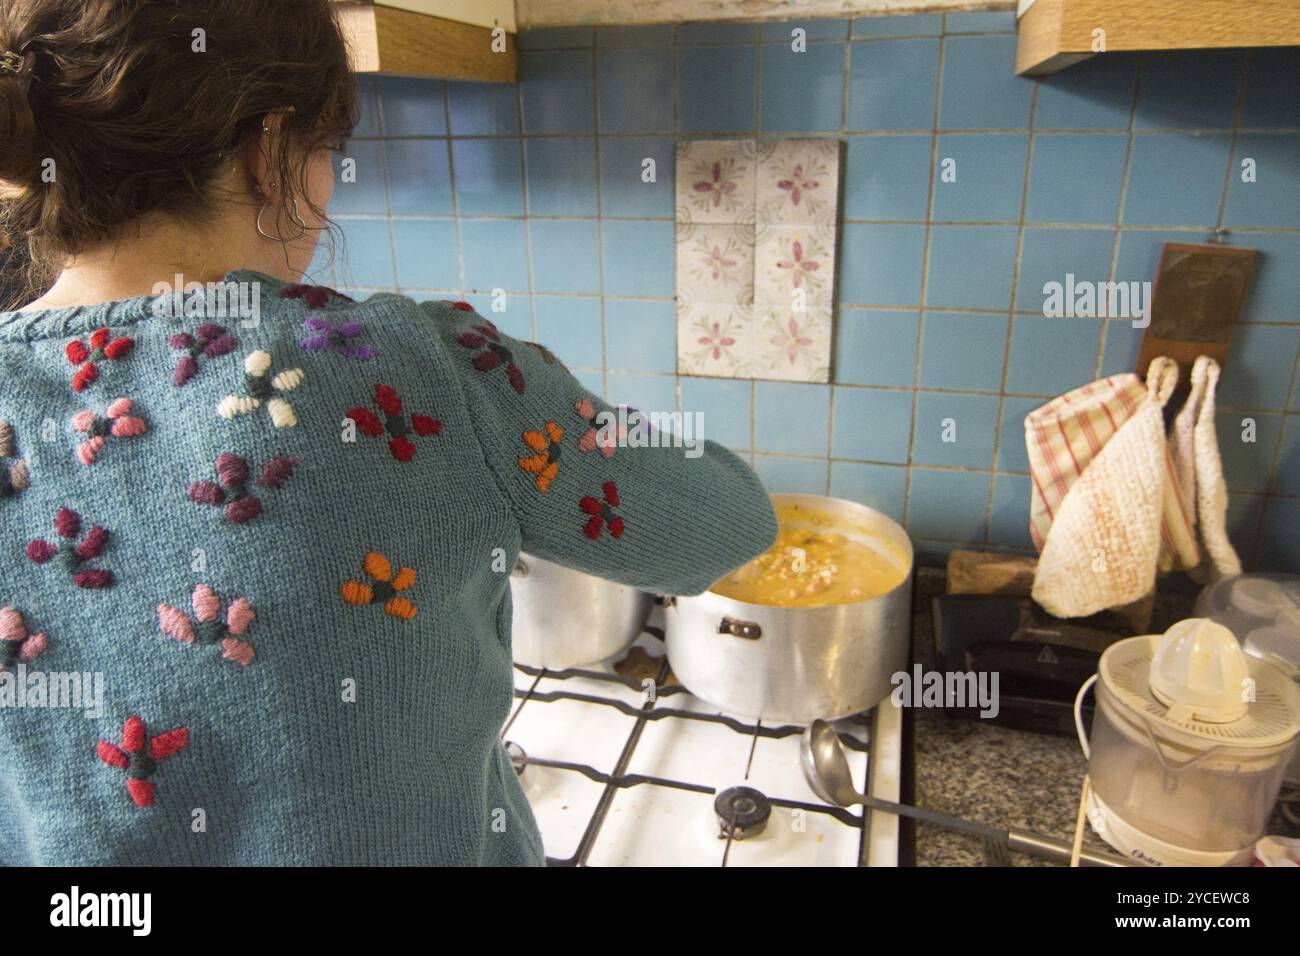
{"type": "Point", "coordinates": [1057, 33]}
{"type": "Point", "coordinates": [383, 39]}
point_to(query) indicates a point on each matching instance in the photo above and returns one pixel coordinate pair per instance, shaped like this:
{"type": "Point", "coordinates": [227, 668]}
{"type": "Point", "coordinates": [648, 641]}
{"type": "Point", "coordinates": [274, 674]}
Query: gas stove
{"type": "Point", "coordinates": [625, 767]}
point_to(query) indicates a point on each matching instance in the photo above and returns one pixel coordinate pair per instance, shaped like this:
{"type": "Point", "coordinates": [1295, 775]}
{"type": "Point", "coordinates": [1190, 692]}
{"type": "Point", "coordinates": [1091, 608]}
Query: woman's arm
{"type": "Point", "coordinates": [639, 508]}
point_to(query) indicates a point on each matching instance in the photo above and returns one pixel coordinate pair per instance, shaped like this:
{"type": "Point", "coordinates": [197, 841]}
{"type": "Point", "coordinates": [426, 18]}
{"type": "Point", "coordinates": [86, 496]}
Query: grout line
{"type": "Point", "coordinates": [925, 277]}
{"type": "Point", "coordinates": [1011, 312]}
{"type": "Point", "coordinates": [1237, 109]}
{"type": "Point", "coordinates": [524, 198]}
{"type": "Point", "coordinates": [1100, 360]}
{"type": "Point", "coordinates": [600, 228]}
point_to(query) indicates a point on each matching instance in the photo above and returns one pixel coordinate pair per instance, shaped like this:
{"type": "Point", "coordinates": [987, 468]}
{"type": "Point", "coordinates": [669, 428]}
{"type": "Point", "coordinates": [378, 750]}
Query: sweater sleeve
{"type": "Point", "coordinates": [629, 504]}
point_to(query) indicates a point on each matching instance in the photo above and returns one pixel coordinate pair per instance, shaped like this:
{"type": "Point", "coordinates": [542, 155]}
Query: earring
{"type": "Point", "coordinates": [296, 216]}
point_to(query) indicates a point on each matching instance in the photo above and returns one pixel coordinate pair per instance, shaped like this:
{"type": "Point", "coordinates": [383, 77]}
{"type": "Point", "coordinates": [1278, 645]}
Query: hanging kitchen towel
{"type": "Point", "coordinates": [1198, 471]}
{"type": "Point", "coordinates": [1103, 492]}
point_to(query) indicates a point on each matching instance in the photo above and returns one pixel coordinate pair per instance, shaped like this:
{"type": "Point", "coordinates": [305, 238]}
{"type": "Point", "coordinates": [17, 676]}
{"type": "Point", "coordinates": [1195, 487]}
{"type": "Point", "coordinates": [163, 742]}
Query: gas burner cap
{"type": "Point", "coordinates": [742, 812]}
{"type": "Point", "coordinates": [518, 759]}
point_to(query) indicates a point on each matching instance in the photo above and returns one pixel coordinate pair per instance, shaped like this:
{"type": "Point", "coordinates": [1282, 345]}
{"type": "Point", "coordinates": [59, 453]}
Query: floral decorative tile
{"type": "Point", "coordinates": [715, 180]}
{"type": "Point", "coordinates": [798, 181]}
{"type": "Point", "coordinates": [715, 262]}
{"type": "Point", "coordinates": [756, 233]}
{"type": "Point", "coordinates": [792, 346]}
{"type": "Point", "coordinates": [715, 338]}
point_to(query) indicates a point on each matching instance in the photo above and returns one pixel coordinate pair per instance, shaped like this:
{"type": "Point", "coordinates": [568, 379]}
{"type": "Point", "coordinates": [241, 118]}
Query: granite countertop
{"type": "Point", "coordinates": [983, 772]}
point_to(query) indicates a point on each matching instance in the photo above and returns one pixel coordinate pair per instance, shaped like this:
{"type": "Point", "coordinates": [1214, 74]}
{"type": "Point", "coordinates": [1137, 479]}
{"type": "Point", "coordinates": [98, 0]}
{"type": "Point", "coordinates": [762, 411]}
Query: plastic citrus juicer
{"type": "Point", "coordinates": [1190, 740]}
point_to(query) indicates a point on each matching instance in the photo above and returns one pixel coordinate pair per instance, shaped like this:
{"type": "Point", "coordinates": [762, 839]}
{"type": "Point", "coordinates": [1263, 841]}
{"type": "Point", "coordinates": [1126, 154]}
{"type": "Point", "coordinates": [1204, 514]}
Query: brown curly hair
{"type": "Point", "coordinates": [111, 110]}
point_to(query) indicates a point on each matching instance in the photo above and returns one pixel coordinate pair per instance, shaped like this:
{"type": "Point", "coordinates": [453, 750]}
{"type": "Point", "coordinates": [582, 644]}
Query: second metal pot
{"type": "Point", "coordinates": [565, 618]}
{"type": "Point", "coordinates": [796, 665]}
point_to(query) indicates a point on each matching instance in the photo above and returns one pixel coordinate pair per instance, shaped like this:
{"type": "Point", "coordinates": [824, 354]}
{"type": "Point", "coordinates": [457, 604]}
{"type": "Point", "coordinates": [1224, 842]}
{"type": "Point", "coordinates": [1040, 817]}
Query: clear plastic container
{"type": "Point", "coordinates": [1213, 797]}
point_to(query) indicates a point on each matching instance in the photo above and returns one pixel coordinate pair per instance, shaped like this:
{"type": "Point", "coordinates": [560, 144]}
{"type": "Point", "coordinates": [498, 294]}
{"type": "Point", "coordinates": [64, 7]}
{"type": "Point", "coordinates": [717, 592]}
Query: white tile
{"type": "Point", "coordinates": [715, 263]}
{"type": "Point", "coordinates": [798, 181]}
{"type": "Point", "coordinates": [756, 240]}
{"type": "Point", "coordinates": [649, 825]}
{"type": "Point", "coordinates": [799, 838]}
{"type": "Point", "coordinates": [794, 268]}
{"type": "Point", "coordinates": [572, 731]}
{"type": "Point", "coordinates": [714, 339]}
{"type": "Point", "coordinates": [692, 751]}
{"type": "Point", "coordinates": [715, 180]}
{"type": "Point", "coordinates": [564, 802]}
{"type": "Point", "coordinates": [791, 346]}
{"type": "Point", "coordinates": [777, 771]}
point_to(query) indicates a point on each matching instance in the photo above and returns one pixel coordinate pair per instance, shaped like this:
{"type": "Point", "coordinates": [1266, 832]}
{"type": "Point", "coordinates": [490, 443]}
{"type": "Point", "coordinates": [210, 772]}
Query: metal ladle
{"type": "Point", "coordinates": [826, 768]}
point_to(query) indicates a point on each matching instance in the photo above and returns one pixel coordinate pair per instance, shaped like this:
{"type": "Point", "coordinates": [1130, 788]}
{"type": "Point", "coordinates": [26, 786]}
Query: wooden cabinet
{"type": "Point", "coordinates": [1057, 33]}
{"type": "Point", "coordinates": [395, 38]}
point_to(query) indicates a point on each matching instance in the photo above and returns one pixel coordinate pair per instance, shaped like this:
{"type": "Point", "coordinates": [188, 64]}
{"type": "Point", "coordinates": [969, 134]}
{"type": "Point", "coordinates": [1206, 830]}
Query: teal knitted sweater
{"type": "Point", "coordinates": [254, 598]}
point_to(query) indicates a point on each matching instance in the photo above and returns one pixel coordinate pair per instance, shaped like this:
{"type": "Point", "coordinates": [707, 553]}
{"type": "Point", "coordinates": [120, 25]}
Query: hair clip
{"type": "Point", "coordinates": [11, 62]}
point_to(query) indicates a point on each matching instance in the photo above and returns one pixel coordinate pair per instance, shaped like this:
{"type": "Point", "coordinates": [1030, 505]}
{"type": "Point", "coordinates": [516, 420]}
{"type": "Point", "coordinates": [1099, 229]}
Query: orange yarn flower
{"type": "Point", "coordinates": [386, 589]}
{"type": "Point", "coordinates": [545, 464]}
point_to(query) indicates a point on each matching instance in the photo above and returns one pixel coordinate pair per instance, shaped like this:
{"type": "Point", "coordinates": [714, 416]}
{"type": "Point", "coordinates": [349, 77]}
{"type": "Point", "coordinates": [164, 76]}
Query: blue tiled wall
{"type": "Point", "coordinates": [536, 189]}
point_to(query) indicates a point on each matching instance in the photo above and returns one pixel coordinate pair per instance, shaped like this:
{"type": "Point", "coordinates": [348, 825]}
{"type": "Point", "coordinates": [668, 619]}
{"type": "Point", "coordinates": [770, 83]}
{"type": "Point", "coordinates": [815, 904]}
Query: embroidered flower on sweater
{"type": "Point", "coordinates": [459, 306]}
{"type": "Point", "coordinates": [259, 388]}
{"type": "Point", "coordinates": [602, 513]}
{"type": "Point", "coordinates": [544, 464]}
{"type": "Point", "coordinates": [394, 424]}
{"type": "Point", "coordinates": [315, 296]}
{"type": "Point", "coordinates": [208, 341]}
{"type": "Point", "coordinates": [597, 438]}
{"type": "Point", "coordinates": [138, 755]}
{"type": "Point", "coordinates": [116, 422]}
{"type": "Point", "coordinates": [16, 645]}
{"type": "Point", "coordinates": [14, 477]}
{"type": "Point", "coordinates": [73, 556]}
{"type": "Point", "coordinates": [493, 354]}
{"type": "Point", "coordinates": [385, 587]}
{"type": "Point", "coordinates": [86, 356]}
{"type": "Point", "coordinates": [231, 487]}
{"type": "Point", "coordinates": [342, 338]}
{"type": "Point", "coordinates": [207, 627]}
{"type": "Point", "coordinates": [547, 355]}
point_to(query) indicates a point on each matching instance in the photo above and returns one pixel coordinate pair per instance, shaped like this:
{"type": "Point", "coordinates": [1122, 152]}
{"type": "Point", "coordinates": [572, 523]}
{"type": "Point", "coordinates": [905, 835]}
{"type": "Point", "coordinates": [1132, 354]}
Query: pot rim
{"type": "Point", "coordinates": [822, 501]}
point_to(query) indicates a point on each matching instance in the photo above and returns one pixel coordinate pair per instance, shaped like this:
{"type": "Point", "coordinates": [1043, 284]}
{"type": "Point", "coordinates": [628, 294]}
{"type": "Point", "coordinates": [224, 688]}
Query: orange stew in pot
{"type": "Point", "coordinates": [811, 567]}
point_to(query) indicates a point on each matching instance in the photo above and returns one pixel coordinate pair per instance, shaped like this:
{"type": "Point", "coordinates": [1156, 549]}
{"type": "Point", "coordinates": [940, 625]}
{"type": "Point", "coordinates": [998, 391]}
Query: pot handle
{"type": "Point", "coordinates": [746, 629]}
{"type": "Point", "coordinates": [521, 569]}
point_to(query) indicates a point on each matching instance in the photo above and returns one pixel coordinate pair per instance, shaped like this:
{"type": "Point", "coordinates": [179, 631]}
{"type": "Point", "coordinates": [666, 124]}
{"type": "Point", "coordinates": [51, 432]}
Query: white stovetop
{"type": "Point", "coordinates": [659, 824]}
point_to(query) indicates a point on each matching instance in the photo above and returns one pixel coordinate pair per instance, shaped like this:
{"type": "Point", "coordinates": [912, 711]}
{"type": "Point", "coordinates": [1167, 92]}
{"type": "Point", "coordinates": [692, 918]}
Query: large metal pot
{"type": "Point", "coordinates": [565, 618]}
{"type": "Point", "coordinates": [796, 665]}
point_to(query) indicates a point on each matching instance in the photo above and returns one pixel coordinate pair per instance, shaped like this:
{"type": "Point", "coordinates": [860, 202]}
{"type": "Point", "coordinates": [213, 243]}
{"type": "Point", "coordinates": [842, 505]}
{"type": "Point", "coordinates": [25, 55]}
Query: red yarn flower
{"type": "Point", "coordinates": [102, 346]}
{"type": "Point", "coordinates": [394, 423]}
{"type": "Point", "coordinates": [68, 525]}
{"type": "Point", "coordinates": [139, 754]}
{"type": "Point", "coordinates": [231, 487]}
{"type": "Point", "coordinates": [602, 513]}
{"type": "Point", "coordinates": [486, 337]}
{"type": "Point", "coordinates": [315, 296]}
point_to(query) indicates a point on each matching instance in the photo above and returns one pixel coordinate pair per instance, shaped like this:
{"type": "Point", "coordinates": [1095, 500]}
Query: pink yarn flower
{"type": "Point", "coordinates": [594, 438]}
{"type": "Point", "coordinates": [15, 643]}
{"type": "Point", "coordinates": [207, 627]}
{"type": "Point", "coordinates": [117, 421]}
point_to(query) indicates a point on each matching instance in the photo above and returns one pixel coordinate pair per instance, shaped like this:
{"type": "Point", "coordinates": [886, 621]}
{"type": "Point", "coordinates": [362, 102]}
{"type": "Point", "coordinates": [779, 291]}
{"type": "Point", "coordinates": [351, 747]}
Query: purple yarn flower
{"type": "Point", "coordinates": [342, 339]}
{"type": "Point", "coordinates": [208, 341]}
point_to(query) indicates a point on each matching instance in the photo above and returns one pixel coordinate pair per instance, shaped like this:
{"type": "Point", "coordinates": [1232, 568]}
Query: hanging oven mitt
{"type": "Point", "coordinates": [1198, 470]}
{"type": "Point", "coordinates": [1103, 492]}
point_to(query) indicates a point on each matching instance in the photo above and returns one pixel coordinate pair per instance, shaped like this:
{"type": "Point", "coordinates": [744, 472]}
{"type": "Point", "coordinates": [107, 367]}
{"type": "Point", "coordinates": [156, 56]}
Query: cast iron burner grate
{"type": "Point", "coordinates": [620, 779]}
